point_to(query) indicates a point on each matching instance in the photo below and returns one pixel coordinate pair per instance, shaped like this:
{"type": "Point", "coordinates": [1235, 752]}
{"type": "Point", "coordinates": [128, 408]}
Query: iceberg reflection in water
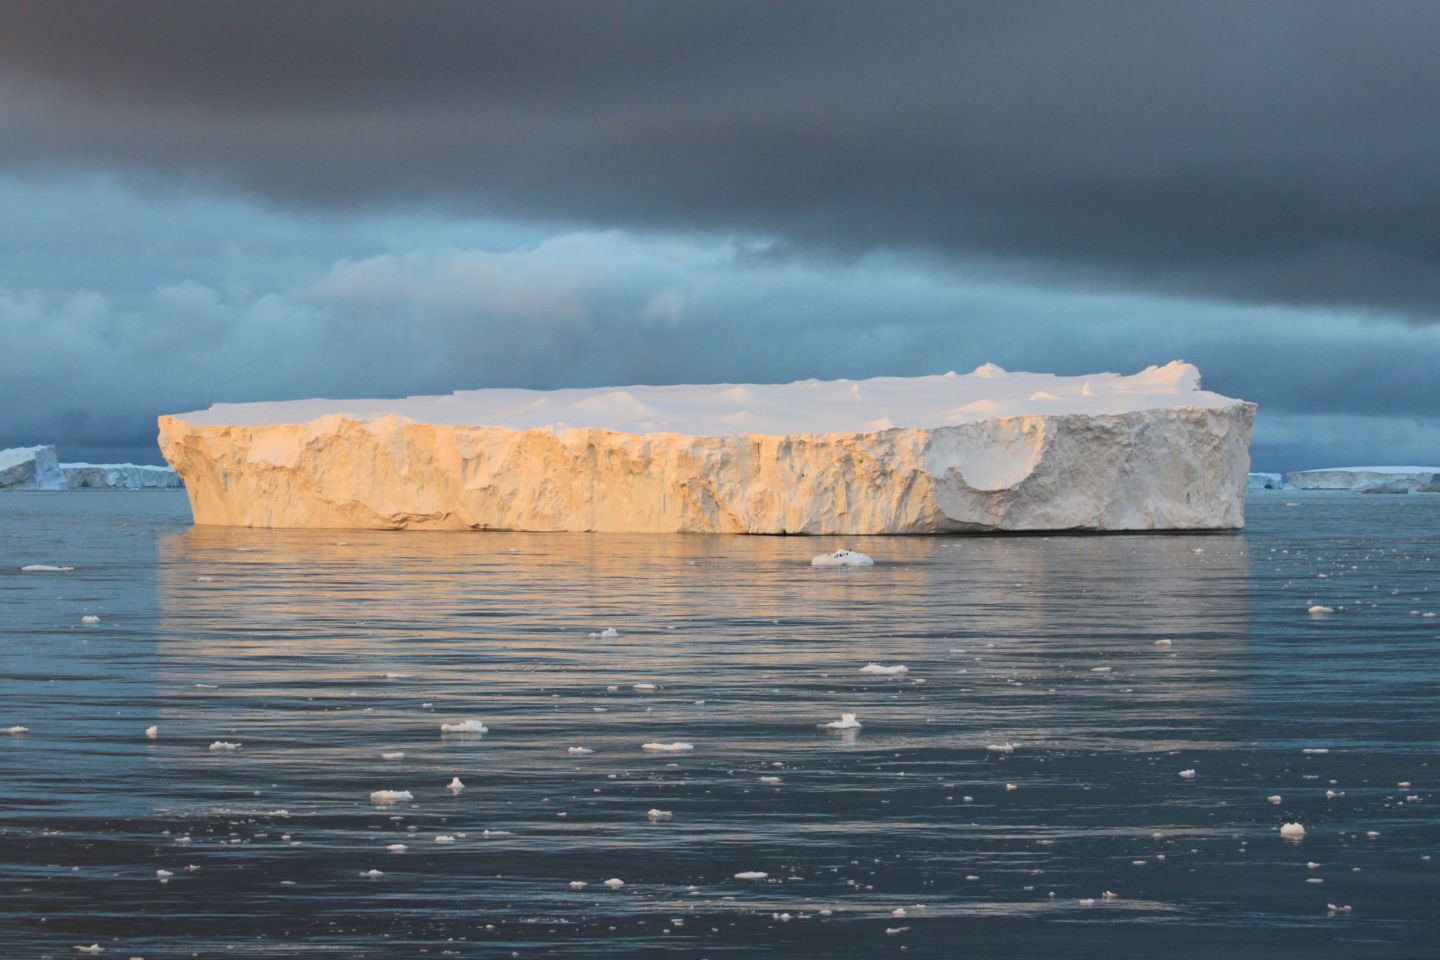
{"type": "Point", "coordinates": [1034, 745]}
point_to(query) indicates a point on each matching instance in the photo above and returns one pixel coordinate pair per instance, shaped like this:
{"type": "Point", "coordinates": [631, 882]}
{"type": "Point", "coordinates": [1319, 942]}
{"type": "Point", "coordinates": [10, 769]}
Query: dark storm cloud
{"type": "Point", "coordinates": [1267, 151]}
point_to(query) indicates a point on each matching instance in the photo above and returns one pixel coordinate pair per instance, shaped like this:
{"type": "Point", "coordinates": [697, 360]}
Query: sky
{"type": "Point", "coordinates": [209, 201]}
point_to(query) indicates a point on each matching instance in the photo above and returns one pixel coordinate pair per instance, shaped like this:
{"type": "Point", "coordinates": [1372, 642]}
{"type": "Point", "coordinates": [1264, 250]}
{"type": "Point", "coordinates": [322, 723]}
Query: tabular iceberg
{"type": "Point", "coordinates": [1388, 479]}
{"type": "Point", "coordinates": [987, 451]}
{"type": "Point", "coordinates": [123, 476]}
{"type": "Point", "coordinates": [30, 468]}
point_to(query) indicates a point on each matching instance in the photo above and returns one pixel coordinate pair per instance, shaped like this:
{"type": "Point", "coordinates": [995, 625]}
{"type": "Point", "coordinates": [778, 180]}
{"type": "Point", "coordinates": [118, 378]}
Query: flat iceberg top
{"type": "Point", "coordinates": [727, 409]}
{"type": "Point", "coordinates": [16, 455]}
{"type": "Point", "coordinates": [1372, 470]}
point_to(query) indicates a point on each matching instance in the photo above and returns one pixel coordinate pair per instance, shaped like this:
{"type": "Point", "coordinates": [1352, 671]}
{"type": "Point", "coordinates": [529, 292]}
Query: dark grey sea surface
{"type": "Point", "coordinates": [317, 651]}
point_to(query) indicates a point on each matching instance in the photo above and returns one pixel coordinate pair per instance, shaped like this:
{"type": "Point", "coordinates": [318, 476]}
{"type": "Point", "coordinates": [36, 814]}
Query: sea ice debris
{"type": "Point", "coordinates": [390, 796]}
{"type": "Point", "coordinates": [223, 746]}
{"type": "Point", "coordinates": [676, 747]}
{"type": "Point", "coordinates": [44, 568]}
{"type": "Point", "coordinates": [89, 618]}
{"type": "Point", "coordinates": [455, 785]}
{"type": "Point", "coordinates": [898, 670]}
{"type": "Point", "coordinates": [464, 726]}
{"type": "Point", "coordinates": [847, 721]}
{"type": "Point", "coordinates": [843, 558]}
{"type": "Point", "coordinates": [751, 875]}
{"type": "Point", "coordinates": [1293, 831]}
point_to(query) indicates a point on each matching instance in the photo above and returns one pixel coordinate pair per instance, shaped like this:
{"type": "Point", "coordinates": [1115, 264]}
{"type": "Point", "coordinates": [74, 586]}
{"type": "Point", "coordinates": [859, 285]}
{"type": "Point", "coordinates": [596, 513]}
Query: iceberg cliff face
{"type": "Point", "coordinates": [119, 476]}
{"type": "Point", "coordinates": [982, 452]}
{"type": "Point", "coordinates": [30, 468]}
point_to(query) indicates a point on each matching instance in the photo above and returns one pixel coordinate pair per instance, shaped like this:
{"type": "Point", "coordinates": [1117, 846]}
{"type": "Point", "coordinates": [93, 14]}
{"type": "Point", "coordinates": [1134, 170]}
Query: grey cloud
{"type": "Point", "coordinates": [1279, 151]}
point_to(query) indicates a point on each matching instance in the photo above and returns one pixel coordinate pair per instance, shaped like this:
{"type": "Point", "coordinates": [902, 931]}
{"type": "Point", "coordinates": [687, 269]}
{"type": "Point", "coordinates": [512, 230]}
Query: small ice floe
{"type": "Point", "coordinates": [444, 838]}
{"type": "Point", "coordinates": [578, 884]}
{"type": "Point", "coordinates": [899, 912]}
{"type": "Point", "coordinates": [843, 558]}
{"type": "Point", "coordinates": [614, 883]}
{"type": "Point", "coordinates": [390, 796]}
{"type": "Point", "coordinates": [655, 816]}
{"type": "Point", "coordinates": [1292, 831]}
{"type": "Point", "coordinates": [897, 670]}
{"type": "Point", "coordinates": [454, 786]}
{"type": "Point", "coordinates": [751, 875]}
{"type": "Point", "coordinates": [847, 721]}
{"type": "Point", "coordinates": [1320, 610]}
{"type": "Point", "coordinates": [892, 931]}
{"type": "Point", "coordinates": [1188, 774]}
{"type": "Point", "coordinates": [44, 568]}
{"type": "Point", "coordinates": [1101, 669]}
{"type": "Point", "coordinates": [1274, 798]}
{"type": "Point", "coordinates": [1164, 643]}
{"type": "Point", "coordinates": [1011, 786]}
{"type": "Point", "coordinates": [89, 618]}
{"type": "Point", "coordinates": [164, 874]}
{"type": "Point", "coordinates": [17, 730]}
{"type": "Point", "coordinates": [1312, 865]}
{"type": "Point", "coordinates": [1000, 747]}
{"type": "Point", "coordinates": [770, 780]}
{"type": "Point", "coordinates": [396, 847]}
{"type": "Point", "coordinates": [1332, 909]}
{"type": "Point", "coordinates": [676, 747]}
{"type": "Point", "coordinates": [1314, 749]}
{"type": "Point", "coordinates": [644, 687]}
{"type": "Point", "coordinates": [223, 746]}
{"type": "Point", "coordinates": [609, 633]}
{"type": "Point", "coordinates": [393, 755]}
{"type": "Point", "coordinates": [397, 676]}
{"type": "Point", "coordinates": [464, 726]}
{"type": "Point", "coordinates": [579, 751]}
{"type": "Point", "coordinates": [372, 874]}
{"type": "Point", "coordinates": [93, 948]}
{"type": "Point", "coordinates": [152, 732]}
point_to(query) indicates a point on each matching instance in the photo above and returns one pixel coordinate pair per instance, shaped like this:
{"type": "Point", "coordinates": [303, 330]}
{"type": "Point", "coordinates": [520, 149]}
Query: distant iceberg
{"type": "Point", "coordinates": [30, 468]}
{"type": "Point", "coordinates": [1368, 479]}
{"type": "Point", "coordinates": [1265, 481]}
{"type": "Point", "coordinates": [122, 476]}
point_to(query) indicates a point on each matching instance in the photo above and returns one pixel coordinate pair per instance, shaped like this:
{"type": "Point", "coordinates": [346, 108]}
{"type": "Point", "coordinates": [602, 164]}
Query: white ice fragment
{"type": "Point", "coordinates": [1188, 774]}
{"type": "Point", "coordinates": [16, 731]}
{"type": "Point", "coordinates": [751, 875]}
{"type": "Point", "coordinates": [899, 912]}
{"type": "Point", "coordinates": [1293, 831]}
{"type": "Point", "coordinates": [1274, 798]}
{"type": "Point", "coordinates": [614, 883]}
{"type": "Point", "coordinates": [578, 884]}
{"type": "Point", "coordinates": [1011, 786]}
{"type": "Point", "coordinates": [44, 568]}
{"type": "Point", "coordinates": [444, 838]}
{"type": "Point", "coordinates": [842, 558]}
{"type": "Point", "coordinates": [609, 633]}
{"type": "Point", "coordinates": [464, 726]}
{"type": "Point", "coordinates": [676, 747]}
{"type": "Point", "coordinates": [396, 847]}
{"type": "Point", "coordinates": [1001, 747]}
{"type": "Point", "coordinates": [655, 816]}
{"type": "Point", "coordinates": [164, 874]}
{"type": "Point", "coordinates": [89, 618]}
{"type": "Point", "coordinates": [1100, 669]}
{"type": "Point", "coordinates": [847, 721]}
{"type": "Point", "coordinates": [93, 948]}
{"type": "Point", "coordinates": [578, 751]}
{"type": "Point", "coordinates": [372, 874]}
{"type": "Point", "coordinates": [1314, 749]}
{"type": "Point", "coordinates": [1164, 643]}
{"type": "Point", "coordinates": [393, 755]}
{"type": "Point", "coordinates": [1320, 609]}
{"type": "Point", "coordinates": [223, 746]}
{"type": "Point", "coordinates": [390, 796]}
{"type": "Point", "coordinates": [644, 687]}
{"type": "Point", "coordinates": [455, 785]}
{"type": "Point", "coordinates": [898, 670]}
{"type": "Point", "coordinates": [152, 732]}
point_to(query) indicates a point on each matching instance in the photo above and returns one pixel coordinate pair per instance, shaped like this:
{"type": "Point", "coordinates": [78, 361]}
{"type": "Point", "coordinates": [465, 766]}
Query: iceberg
{"type": "Point", "coordinates": [30, 468]}
{"type": "Point", "coordinates": [1361, 479]}
{"type": "Point", "coordinates": [1264, 481]}
{"type": "Point", "coordinates": [986, 451]}
{"type": "Point", "coordinates": [122, 476]}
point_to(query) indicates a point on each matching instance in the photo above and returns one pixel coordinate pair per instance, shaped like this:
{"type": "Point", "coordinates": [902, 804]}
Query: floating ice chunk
{"type": "Point", "coordinates": [579, 751]}
{"type": "Point", "coordinates": [614, 883]}
{"type": "Point", "coordinates": [372, 874]}
{"type": "Point", "coordinates": [1312, 865]}
{"type": "Point", "coordinates": [847, 721]}
{"type": "Point", "coordinates": [842, 558]}
{"type": "Point", "coordinates": [1101, 669]}
{"type": "Point", "coordinates": [771, 780]}
{"type": "Point", "coordinates": [396, 847]}
{"type": "Point", "coordinates": [898, 670]}
{"type": "Point", "coordinates": [655, 816]}
{"type": "Point", "coordinates": [1011, 786]}
{"type": "Point", "coordinates": [751, 875]}
{"type": "Point", "coordinates": [89, 618]}
{"type": "Point", "coordinates": [1314, 749]}
{"type": "Point", "coordinates": [164, 874]}
{"type": "Point", "coordinates": [1320, 610]}
{"type": "Point", "coordinates": [644, 687]}
{"type": "Point", "coordinates": [676, 747]}
{"type": "Point", "coordinates": [1274, 798]}
{"type": "Point", "coordinates": [17, 731]}
{"type": "Point", "coordinates": [152, 732]}
{"type": "Point", "coordinates": [1188, 774]}
{"type": "Point", "coordinates": [397, 676]}
{"type": "Point", "coordinates": [464, 726]}
{"type": "Point", "coordinates": [455, 785]}
{"type": "Point", "coordinates": [578, 884]}
{"type": "Point", "coordinates": [223, 746]}
{"type": "Point", "coordinates": [44, 568]}
{"type": "Point", "coordinates": [1331, 909]}
{"type": "Point", "coordinates": [1164, 643]}
{"type": "Point", "coordinates": [609, 633]}
{"type": "Point", "coordinates": [444, 838]}
{"type": "Point", "coordinates": [1001, 748]}
{"type": "Point", "coordinates": [93, 948]}
{"type": "Point", "coordinates": [393, 755]}
{"type": "Point", "coordinates": [1293, 831]}
{"type": "Point", "coordinates": [390, 796]}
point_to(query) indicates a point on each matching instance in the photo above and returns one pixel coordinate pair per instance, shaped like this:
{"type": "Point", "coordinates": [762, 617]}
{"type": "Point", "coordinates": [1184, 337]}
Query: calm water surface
{"type": "Point", "coordinates": [319, 651]}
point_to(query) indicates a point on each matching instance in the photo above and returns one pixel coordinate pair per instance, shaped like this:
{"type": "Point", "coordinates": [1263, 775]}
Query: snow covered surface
{"type": "Point", "coordinates": [1390, 479]}
{"type": "Point", "coordinates": [989, 450]}
{"type": "Point", "coordinates": [30, 468]}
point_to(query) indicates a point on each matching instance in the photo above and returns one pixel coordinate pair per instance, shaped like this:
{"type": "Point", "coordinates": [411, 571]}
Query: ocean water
{"type": "Point", "coordinates": [317, 651]}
